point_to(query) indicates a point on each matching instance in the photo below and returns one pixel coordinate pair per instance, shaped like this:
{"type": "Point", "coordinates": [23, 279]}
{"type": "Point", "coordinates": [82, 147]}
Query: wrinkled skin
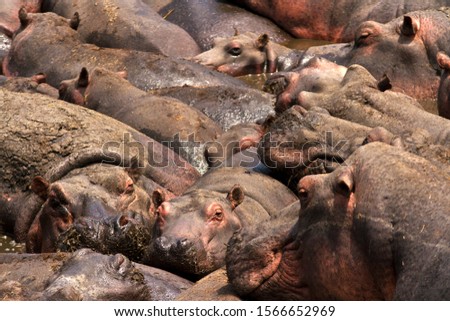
{"type": "Point", "coordinates": [84, 275]}
{"type": "Point", "coordinates": [226, 105]}
{"type": "Point", "coordinates": [244, 54]}
{"type": "Point", "coordinates": [126, 24]}
{"type": "Point", "coordinates": [209, 19]}
{"type": "Point", "coordinates": [192, 230]}
{"type": "Point", "coordinates": [335, 21]}
{"type": "Point", "coordinates": [167, 120]}
{"type": "Point", "coordinates": [316, 75]}
{"type": "Point", "coordinates": [34, 84]}
{"type": "Point", "coordinates": [350, 243]}
{"type": "Point", "coordinates": [9, 21]}
{"type": "Point", "coordinates": [361, 99]}
{"type": "Point", "coordinates": [444, 86]}
{"type": "Point", "coordinates": [403, 49]}
{"type": "Point", "coordinates": [46, 35]}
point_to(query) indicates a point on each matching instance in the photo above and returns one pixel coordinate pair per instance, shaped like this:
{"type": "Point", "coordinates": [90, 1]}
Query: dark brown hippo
{"type": "Point", "coordinates": [336, 20]}
{"type": "Point", "coordinates": [245, 53]}
{"type": "Point", "coordinates": [192, 230]}
{"type": "Point", "coordinates": [33, 84]}
{"type": "Point", "coordinates": [444, 85]}
{"type": "Point", "coordinates": [209, 19]}
{"type": "Point", "coordinates": [360, 98]}
{"type": "Point", "coordinates": [167, 120]}
{"type": "Point", "coordinates": [403, 49]}
{"type": "Point", "coordinates": [370, 230]}
{"type": "Point", "coordinates": [84, 276]}
{"type": "Point", "coordinates": [125, 24]}
{"type": "Point", "coordinates": [70, 149]}
{"type": "Point", "coordinates": [9, 21]}
{"type": "Point", "coordinates": [44, 35]}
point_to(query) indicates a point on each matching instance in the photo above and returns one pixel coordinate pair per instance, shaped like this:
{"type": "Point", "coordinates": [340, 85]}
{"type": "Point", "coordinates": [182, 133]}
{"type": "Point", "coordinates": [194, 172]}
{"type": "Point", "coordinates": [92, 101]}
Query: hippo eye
{"type": "Point", "coordinates": [129, 189]}
{"type": "Point", "coordinates": [362, 37]}
{"type": "Point", "coordinates": [235, 51]}
{"type": "Point", "coordinates": [218, 214]}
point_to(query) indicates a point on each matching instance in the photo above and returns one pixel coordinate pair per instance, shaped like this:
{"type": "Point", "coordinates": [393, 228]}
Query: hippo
{"type": "Point", "coordinates": [246, 53]}
{"type": "Point", "coordinates": [84, 275]}
{"type": "Point", "coordinates": [444, 85]}
{"type": "Point", "coordinates": [34, 84]}
{"type": "Point", "coordinates": [35, 41]}
{"type": "Point", "coordinates": [335, 21]}
{"type": "Point", "coordinates": [192, 230]}
{"type": "Point", "coordinates": [404, 49]}
{"type": "Point", "coordinates": [316, 75]}
{"type": "Point", "coordinates": [360, 98]}
{"type": "Point", "coordinates": [209, 19]}
{"type": "Point", "coordinates": [167, 120]}
{"type": "Point", "coordinates": [9, 21]}
{"type": "Point", "coordinates": [126, 24]}
{"type": "Point", "coordinates": [350, 243]}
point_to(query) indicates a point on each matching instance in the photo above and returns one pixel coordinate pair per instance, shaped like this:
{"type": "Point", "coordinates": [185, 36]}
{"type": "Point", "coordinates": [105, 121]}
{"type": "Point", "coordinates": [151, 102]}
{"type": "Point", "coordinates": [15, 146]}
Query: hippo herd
{"type": "Point", "coordinates": [136, 162]}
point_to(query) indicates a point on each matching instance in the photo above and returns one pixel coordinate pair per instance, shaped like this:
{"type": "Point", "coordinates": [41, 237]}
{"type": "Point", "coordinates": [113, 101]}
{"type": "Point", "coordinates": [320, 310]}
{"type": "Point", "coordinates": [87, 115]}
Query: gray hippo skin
{"type": "Point", "coordinates": [333, 20]}
{"type": "Point", "coordinates": [243, 54]}
{"type": "Point", "coordinates": [370, 230]}
{"type": "Point", "coordinates": [37, 40]}
{"type": "Point", "coordinates": [167, 120]}
{"type": "Point", "coordinates": [208, 19]}
{"type": "Point", "coordinates": [192, 230]}
{"type": "Point", "coordinates": [84, 275]}
{"type": "Point", "coordinates": [125, 24]}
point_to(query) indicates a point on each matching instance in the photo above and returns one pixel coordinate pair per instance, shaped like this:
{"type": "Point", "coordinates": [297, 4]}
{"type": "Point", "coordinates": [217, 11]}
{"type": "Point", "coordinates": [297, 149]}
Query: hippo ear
{"type": "Point", "coordinates": [83, 78]}
{"type": "Point", "coordinates": [75, 21]}
{"type": "Point", "coordinates": [262, 41]}
{"type": "Point", "coordinates": [384, 83]}
{"type": "Point", "coordinates": [236, 31]}
{"type": "Point", "coordinates": [235, 196]}
{"type": "Point", "coordinates": [158, 197]}
{"type": "Point", "coordinates": [40, 187]}
{"type": "Point", "coordinates": [23, 16]}
{"type": "Point", "coordinates": [345, 182]}
{"type": "Point", "coordinates": [443, 60]}
{"type": "Point", "coordinates": [410, 26]}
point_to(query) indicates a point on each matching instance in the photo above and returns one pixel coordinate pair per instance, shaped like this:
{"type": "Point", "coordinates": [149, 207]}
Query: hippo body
{"type": "Point", "coordinates": [126, 24]}
{"type": "Point", "coordinates": [209, 19]}
{"type": "Point", "coordinates": [350, 243]}
{"type": "Point", "coordinates": [167, 120]}
{"type": "Point", "coordinates": [192, 230]}
{"type": "Point", "coordinates": [84, 275]}
{"type": "Point", "coordinates": [335, 21]}
{"type": "Point", "coordinates": [37, 39]}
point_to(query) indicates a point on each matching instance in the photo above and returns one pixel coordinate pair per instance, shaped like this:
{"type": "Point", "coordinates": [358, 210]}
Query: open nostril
{"type": "Point", "coordinates": [162, 244]}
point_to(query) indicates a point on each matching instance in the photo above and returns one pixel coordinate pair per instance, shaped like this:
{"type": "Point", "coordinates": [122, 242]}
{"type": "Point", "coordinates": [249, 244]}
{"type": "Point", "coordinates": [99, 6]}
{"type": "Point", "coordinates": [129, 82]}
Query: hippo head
{"type": "Point", "coordinates": [92, 193]}
{"type": "Point", "coordinates": [191, 231]}
{"type": "Point", "coordinates": [88, 275]}
{"type": "Point", "coordinates": [242, 54]}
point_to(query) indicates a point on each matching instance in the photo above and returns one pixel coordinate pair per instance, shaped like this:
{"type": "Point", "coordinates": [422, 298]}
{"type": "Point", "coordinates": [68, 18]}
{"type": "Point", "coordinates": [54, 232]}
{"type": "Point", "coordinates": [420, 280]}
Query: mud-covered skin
{"type": "Point", "coordinates": [44, 35]}
{"type": "Point", "coordinates": [316, 75]}
{"type": "Point", "coordinates": [361, 99]}
{"type": "Point", "coordinates": [350, 243]}
{"type": "Point", "coordinates": [209, 19]}
{"type": "Point", "coordinates": [192, 230]}
{"type": "Point", "coordinates": [242, 54]}
{"type": "Point", "coordinates": [226, 105]}
{"type": "Point", "coordinates": [84, 275]}
{"type": "Point", "coordinates": [167, 120]}
{"type": "Point", "coordinates": [335, 21]}
{"type": "Point", "coordinates": [34, 84]}
{"type": "Point", "coordinates": [9, 21]}
{"type": "Point", "coordinates": [444, 85]}
{"type": "Point", "coordinates": [126, 24]}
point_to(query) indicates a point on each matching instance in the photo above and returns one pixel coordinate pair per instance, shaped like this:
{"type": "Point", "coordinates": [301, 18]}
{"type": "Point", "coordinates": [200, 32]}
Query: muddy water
{"type": "Point", "coordinates": [8, 245]}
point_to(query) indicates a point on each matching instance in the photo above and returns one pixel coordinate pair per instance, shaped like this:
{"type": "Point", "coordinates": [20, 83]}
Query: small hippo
{"type": "Point", "coordinates": [126, 24]}
{"type": "Point", "coordinates": [243, 54]}
{"type": "Point", "coordinates": [84, 275]}
{"type": "Point", "coordinates": [370, 230]}
{"type": "Point", "coordinates": [192, 230]}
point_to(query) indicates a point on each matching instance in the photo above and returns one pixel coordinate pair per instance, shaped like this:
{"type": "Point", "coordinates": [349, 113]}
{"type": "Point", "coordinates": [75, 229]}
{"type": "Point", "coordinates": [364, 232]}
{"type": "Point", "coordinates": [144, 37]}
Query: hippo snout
{"type": "Point", "coordinates": [172, 246]}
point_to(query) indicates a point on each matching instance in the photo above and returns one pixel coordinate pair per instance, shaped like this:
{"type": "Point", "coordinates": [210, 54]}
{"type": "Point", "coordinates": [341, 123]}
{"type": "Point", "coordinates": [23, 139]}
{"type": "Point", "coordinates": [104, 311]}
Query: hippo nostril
{"type": "Point", "coordinates": [123, 220]}
{"type": "Point", "coordinates": [182, 245]}
{"type": "Point", "coordinates": [162, 244]}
